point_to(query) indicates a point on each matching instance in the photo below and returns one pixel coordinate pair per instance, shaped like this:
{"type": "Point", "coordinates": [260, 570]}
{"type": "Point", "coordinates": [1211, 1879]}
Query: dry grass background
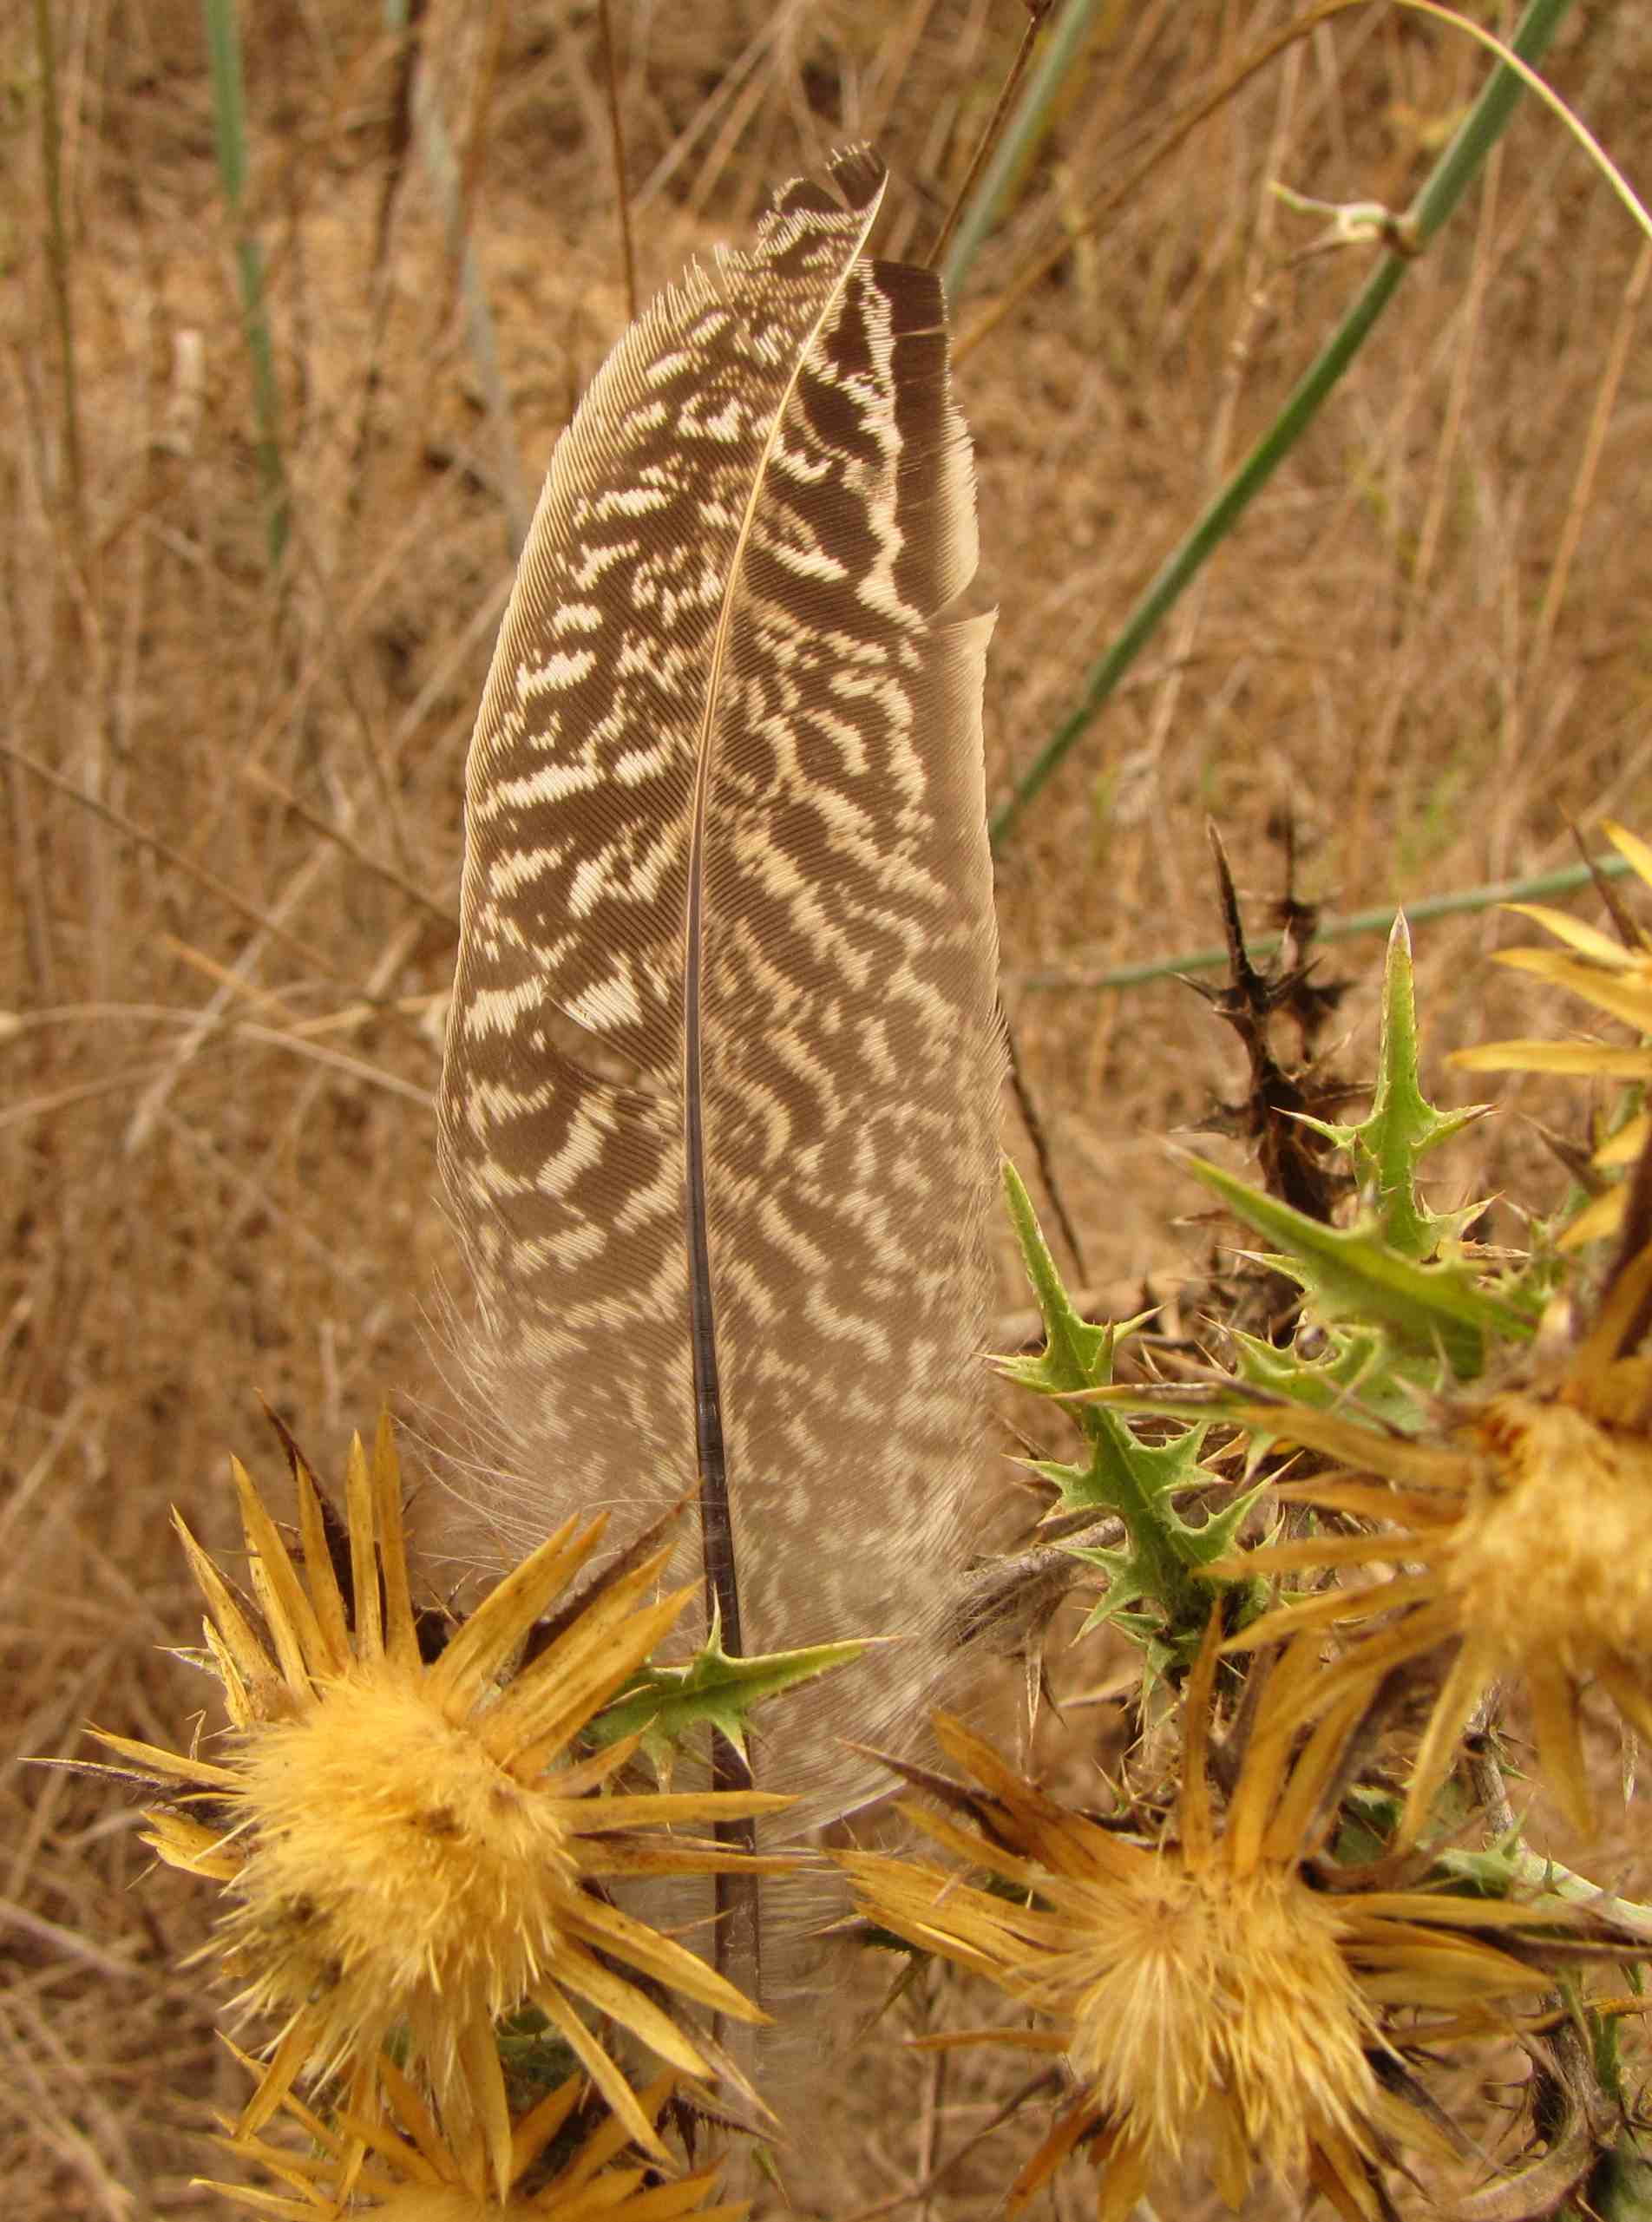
{"type": "Point", "coordinates": [224, 968]}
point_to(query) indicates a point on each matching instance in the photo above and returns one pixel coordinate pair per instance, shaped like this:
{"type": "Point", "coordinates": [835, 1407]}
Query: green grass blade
{"type": "Point", "coordinates": [1566, 880]}
{"type": "Point", "coordinates": [223, 28]}
{"type": "Point", "coordinates": [1062, 45]}
{"type": "Point", "coordinates": [1440, 193]}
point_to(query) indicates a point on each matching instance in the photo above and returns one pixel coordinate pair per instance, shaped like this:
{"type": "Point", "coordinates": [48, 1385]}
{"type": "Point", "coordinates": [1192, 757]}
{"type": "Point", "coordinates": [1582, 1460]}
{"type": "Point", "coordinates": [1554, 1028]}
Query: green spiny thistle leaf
{"type": "Point", "coordinates": [1355, 1365]}
{"type": "Point", "coordinates": [1167, 1560]}
{"type": "Point", "coordinates": [663, 1704]}
{"type": "Point", "coordinates": [1351, 1275]}
{"type": "Point", "coordinates": [1123, 1471]}
{"type": "Point", "coordinates": [1213, 1540]}
{"type": "Point", "coordinates": [1076, 1355]}
{"type": "Point", "coordinates": [1127, 1585]}
{"type": "Point", "coordinates": [534, 2058]}
{"type": "Point", "coordinates": [1130, 1573]}
{"type": "Point", "coordinates": [1403, 1125]}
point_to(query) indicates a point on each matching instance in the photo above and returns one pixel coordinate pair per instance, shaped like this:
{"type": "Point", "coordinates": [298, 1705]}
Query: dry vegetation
{"type": "Point", "coordinates": [232, 808]}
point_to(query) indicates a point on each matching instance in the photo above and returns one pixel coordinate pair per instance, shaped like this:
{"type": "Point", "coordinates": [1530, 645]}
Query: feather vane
{"type": "Point", "coordinates": [719, 1105]}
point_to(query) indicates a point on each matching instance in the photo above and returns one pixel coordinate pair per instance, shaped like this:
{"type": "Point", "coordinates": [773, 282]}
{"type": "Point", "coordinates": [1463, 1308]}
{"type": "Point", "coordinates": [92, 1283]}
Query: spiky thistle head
{"type": "Point", "coordinates": [1616, 977]}
{"type": "Point", "coordinates": [1201, 1981]}
{"type": "Point", "coordinates": [418, 1844]}
{"type": "Point", "coordinates": [1524, 1524]}
{"type": "Point", "coordinates": [567, 2162]}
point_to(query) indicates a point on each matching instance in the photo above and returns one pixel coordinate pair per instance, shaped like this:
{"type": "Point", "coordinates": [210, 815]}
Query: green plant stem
{"type": "Point", "coordinates": [51, 134]}
{"type": "Point", "coordinates": [1062, 43]}
{"type": "Point", "coordinates": [1509, 1866]}
{"type": "Point", "coordinates": [1620, 2189]}
{"type": "Point", "coordinates": [1444, 188]}
{"type": "Point", "coordinates": [229, 124]}
{"type": "Point", "coordinates": [1164, 1573]}
{"type": "Point", "coordinates": [1566, 880]}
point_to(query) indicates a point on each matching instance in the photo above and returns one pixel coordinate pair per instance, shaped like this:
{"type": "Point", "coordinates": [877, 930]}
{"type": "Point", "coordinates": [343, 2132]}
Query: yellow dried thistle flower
{"type": "Point", "coordinates": [561, 2164]}
{"type": "Point", "coordinates": [1616, 978]}
{"type": "Point", "coordinates": [419, 1844]}
{"type": "Point", "coordinates": [1203, 1983]}
{"type": "Point", "coordinates": [1526, 1531]}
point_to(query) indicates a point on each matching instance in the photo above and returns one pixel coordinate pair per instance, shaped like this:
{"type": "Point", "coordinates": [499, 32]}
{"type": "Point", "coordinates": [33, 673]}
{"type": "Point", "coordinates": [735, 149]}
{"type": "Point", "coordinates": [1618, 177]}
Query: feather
{"type": "Point", "coordinates": [719, 1107]}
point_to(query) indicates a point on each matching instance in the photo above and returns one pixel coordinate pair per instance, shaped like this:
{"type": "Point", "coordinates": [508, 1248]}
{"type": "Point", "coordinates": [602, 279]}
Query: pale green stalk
{"type": "Point", "coordinates": [229, 126]}
{"type": "Point", "coordinates": [1061, 46]}
{"type": "Point", "coordinates": [1564, 880]}
{"type": "Point", "coordinates": [1445, 187]}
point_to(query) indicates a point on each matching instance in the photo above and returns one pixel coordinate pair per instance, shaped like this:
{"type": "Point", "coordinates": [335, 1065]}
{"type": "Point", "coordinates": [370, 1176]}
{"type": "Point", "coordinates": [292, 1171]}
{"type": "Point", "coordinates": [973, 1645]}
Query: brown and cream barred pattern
{"type": "Point", "coordinates": [722, 663]}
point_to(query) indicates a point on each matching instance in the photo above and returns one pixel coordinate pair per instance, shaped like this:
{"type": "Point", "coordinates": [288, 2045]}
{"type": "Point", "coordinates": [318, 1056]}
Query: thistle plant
{"type": "Point", "coordinates": [565, 2162]}
{"type": "Point", "coordinates": [1523, 1525]}
{"type": "Point", "coordinates": [1514, 1487]}
{"type": "Point", "coordinates": [415, 1848]}
{"type": "Point", "coordinates": [1270, 1964]}
{"type": "Point", "coordinates": [1614, 975]}
{"type": "Point", "coordinates": [1208, 1976]}
{"type": "Point", "coordinates": [416, 1824]}
{"type": "Point", "coordinates": [414, 1830]}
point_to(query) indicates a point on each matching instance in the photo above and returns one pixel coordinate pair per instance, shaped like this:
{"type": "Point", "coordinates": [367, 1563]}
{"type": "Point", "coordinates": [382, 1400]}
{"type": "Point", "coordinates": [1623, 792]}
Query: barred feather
{"type": "Point", "coordinates": [719, 1108]}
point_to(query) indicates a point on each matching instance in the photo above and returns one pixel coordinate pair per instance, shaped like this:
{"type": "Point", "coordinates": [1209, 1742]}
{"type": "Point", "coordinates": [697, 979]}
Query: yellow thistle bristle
{"type": "Point", "coordinates": [566, 2160]}
{"type": "Point", "coordinates": [1527, 1533]}
{"type": "Point", "coordinates": [435, 1866]}
{"type": "Point", "coordinates": [1160, 1948]}
{"type": "Point", "coordinates": [1616, 979]}
{"type": "Point", "coordinates": [1203, 1985]}
{"type": "Point", "coordinates": [418, 1845]}
{"type": "Point", "coordinates": [1552, 1554]}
